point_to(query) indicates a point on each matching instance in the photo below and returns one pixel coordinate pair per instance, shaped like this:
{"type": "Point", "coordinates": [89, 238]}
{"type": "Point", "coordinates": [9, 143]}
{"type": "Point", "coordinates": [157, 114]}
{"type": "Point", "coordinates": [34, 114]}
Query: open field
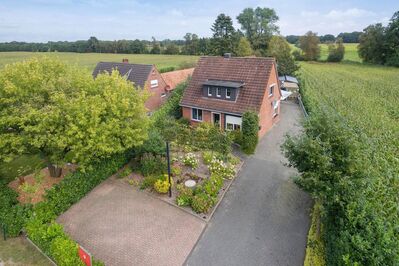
{"type": "Point", "coordinates": [89, 60]}
{"type": "Point", "coordinates": [350, 52]}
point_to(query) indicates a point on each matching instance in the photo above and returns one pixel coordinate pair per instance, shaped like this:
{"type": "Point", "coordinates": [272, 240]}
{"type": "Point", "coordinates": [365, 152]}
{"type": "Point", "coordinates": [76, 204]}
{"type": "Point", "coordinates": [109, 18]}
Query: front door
{"type": "Point", "coordinates": [216, 119]}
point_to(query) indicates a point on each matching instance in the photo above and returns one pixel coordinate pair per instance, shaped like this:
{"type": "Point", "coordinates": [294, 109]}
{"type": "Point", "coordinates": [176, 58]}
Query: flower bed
{"type": "Point", "coordinates": [211, 172]}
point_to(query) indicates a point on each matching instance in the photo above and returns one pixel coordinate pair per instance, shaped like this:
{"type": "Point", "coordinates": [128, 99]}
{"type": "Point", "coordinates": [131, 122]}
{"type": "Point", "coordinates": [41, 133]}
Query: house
{"type": "Point", "coordinates": [173, 78]}
{"type": "Point", "coordinates": [289, 86]}
{"type": "Point", "coordinates": [143, 76]}
{"type": "Point", "coordinates": [222, 89]}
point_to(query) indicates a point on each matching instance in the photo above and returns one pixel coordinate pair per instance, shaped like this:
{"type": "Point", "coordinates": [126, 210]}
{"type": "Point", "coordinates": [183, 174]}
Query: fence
{"type": "Point", "coordinates": [302, 106]}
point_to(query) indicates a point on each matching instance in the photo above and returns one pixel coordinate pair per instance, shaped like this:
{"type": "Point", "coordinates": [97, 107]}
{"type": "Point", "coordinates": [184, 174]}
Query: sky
{"type": "Point", "coordinates": [69, 20]}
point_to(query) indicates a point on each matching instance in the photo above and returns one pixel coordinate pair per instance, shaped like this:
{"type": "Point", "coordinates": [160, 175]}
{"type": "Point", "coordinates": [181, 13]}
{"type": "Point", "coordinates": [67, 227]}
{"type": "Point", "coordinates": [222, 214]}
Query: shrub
{"type": "Point", "coordinates": [167, 69]}
{"type": "Point", "coordinates": [64, 251]}
{"type": "Point", "coordinates": [125, 172]}
{"type": "Point", "coordinates": [184, 196]}
{"type": "Point", "coordinates": [202, 202]}
{"type": "Point", "coordinates": [221, 169]}
{"type": "Point", "coordinates": [155, 144]}
{"type": "Point", "coordinates": [190, 160]}
{"type": "Point", "coordinates": [250, 128]}
{"type": "Point", "coordinates": [152, 165]}
{"type": "Point", "coordinates": [148, 181]}
{"type": "Point", "coordinates": [207, 157]}
{"type": "Point", "coordinates": [162, 185]}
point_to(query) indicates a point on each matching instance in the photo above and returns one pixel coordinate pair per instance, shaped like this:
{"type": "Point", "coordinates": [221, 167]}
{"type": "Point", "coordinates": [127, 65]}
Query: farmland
{"type": "Point", "coordinates": [89, 60]}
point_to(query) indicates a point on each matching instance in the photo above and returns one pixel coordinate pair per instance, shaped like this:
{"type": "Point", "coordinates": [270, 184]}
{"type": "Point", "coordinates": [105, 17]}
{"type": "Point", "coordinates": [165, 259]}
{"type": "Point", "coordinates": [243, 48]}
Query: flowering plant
{"type": "Point", "coordinates": [190, 160]}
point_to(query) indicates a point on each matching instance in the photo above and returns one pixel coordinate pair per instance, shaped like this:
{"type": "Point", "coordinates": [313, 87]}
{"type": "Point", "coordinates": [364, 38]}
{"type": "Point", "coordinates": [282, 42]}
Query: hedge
{"type": "Point", "coordinates": [250, 128]}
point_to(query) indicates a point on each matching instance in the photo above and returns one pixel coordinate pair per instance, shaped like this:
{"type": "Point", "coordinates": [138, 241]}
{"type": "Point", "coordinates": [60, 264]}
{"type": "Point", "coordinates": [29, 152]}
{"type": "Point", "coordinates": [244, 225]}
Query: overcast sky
{"type": "Point", "coordinates": [44, 20]}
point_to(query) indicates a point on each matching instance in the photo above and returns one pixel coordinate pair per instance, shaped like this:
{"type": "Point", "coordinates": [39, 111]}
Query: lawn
{"type": "Point", "coordinates": [19, 252]}
{"type": "Point", "coordinates": [89, 60]}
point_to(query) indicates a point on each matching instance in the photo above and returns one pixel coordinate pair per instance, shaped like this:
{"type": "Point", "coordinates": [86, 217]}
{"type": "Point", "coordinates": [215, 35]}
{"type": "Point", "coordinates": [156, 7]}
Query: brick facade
{"type": "Point", "coordinates": [156, 98]}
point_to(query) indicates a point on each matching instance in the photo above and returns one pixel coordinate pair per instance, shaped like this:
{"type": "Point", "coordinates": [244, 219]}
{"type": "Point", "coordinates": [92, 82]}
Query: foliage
{"type": "Point", "coordinates": [250, 128]}
{"type": "Point", "coordinates": [219, 168]}
{"type": "Point", "coordinates": [162, 184]}
{"type": "Point", "coordinates": [350, 37]}
{"type": "Point", "coordinates": [258, 26]}
{"type": "Point", "coordinates": [79, 116]}
{"type": "Point", "coordinates": [349, 160]}
{"type": "Point", "coordinates": [336, 51]}
{"type": "Point", "coordinates": [371, 46]}
{"type": "Point", "coordinates": [190, 159]}
{"type": "Point", "coordinates": [155, 144]}
{"type": "Point", "coordinates": [315, 250]}
{"type": "Point", "coordinates": [225, 38]}
{"type": "Point", "coordinates": [207, 156]}
{"type": "Point", "coordinates": [172, 49]}
{"type": "Point", "coordinates": [309, 44]}
{"type": "Point", "coordinates": [125, 172]}
{"type": "Point", "coordinates": [202, 202]}
{"type": "Point", "coordinates": [28, 188]}
{"type": "Point", "coordinates": [281, 50]}
{"type": "Point", "coordinates": [212, 185]}
{"type": "Point", "coordinates": [207, 136]}
{"type": "Point", "coordinates": [148, 182]}
{"type": "Point", "coordinates": [392, 41]}
{"type": "Point", "coordinates": [152, 165]}
{"type": "Point", "coordinates": [184, 196]}
{"type": "Point", "coordinates": [244, 48]}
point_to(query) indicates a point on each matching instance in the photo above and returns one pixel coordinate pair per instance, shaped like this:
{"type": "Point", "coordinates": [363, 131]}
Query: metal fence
{"type": "Point", "coordinates": [302, 106]}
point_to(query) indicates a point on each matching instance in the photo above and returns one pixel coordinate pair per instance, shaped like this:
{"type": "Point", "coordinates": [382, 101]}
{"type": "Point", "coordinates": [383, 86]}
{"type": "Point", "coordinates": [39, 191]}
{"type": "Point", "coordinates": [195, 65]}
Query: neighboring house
{"type": "Point", "coordinates": [222, 89]}
{"type": "Point", "coordinates": [142, 76]}
{"type": "Point", "coordinates": [173, 78]}
{"type": "Point", "coordinates": [289, 86]}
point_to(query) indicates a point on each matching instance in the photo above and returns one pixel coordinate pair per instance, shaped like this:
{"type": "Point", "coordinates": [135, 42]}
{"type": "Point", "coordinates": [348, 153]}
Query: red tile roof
{"type": "Point", "coordinates": [254, 72]}
{"type": "Point", "coordinates": [173, 78]}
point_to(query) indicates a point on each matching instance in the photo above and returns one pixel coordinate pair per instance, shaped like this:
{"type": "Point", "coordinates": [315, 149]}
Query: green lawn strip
{"type": "Point", "coordinates": [18, 251]}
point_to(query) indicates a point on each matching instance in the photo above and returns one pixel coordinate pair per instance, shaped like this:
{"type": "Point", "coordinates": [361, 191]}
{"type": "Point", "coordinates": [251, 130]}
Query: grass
{"type": "Point", "coordinates": [350, 52]}
{"type": "Point", "coordinates": [89, 60]}
{"type": "Point", "coordinates": [23, 165]}
{"type": "Point", "coordinates": [18, 251]}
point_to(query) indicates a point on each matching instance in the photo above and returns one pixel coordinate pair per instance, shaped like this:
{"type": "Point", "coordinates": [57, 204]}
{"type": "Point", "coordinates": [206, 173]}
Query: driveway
{"type": "Point", "coordinates": [122, 226]}
{"type": "Point", "coordinates": [264, 217]}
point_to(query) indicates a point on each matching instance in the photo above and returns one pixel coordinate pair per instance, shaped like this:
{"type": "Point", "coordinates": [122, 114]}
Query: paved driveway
{"type": "Point", "coordinates": [122, 226]}
{"type": "Point", "coordinates": [264, 218]}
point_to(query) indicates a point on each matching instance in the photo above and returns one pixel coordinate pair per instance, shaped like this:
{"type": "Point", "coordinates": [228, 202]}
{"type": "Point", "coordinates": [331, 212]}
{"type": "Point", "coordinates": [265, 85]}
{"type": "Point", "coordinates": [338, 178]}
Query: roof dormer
{"type": "Point", "coordinates": [221, 89]}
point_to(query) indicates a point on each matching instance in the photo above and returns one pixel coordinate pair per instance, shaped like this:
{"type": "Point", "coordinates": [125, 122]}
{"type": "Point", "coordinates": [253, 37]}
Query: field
{"type": "Point", "coordinates": [350, 52]}
{"type": "Point", "coordinates": [89, 60]}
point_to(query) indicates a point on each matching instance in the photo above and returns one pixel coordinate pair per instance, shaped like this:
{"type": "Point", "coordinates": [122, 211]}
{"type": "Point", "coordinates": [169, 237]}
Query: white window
{"type": "Point", "coordinates": [233, 122]}
{"type": "Point", "coordinates": [196, 114]}
{"type": "Point", "coordinates": [218, 92]}
{"type": "Point", "coordinates": [154, 83]}
{"type": "Point", "coordinates": [275, 108]}
{"type": "Point", "coordinates": [271, 90]}
{"type": "Point", "coordinates": [228, 93]}
{"type": "Point", "coordinates": [209, 91]}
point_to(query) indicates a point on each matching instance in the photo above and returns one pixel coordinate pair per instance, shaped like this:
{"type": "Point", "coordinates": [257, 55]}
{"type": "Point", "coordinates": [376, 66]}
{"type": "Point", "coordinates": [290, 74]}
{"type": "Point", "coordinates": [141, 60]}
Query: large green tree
{"type": "Point", "coordinates": [392, 40]}
{"type": "Point", "coordinates": [258, 25]}
{"type": "Point", "coordinates": [310, 46]}
{"type": "Point", "coordinates": [64, 114]}
{"type": "Point", "coordinates": [244, 48]}
{"type": "Point", "coordinates": [371, 46]}
{"type": "Point", "coordinates": [280, 49]}
{"type": "Point", "coordinates": [224, 35]}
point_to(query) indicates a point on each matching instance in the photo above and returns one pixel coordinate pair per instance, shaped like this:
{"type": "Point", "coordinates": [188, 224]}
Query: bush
{"type": "Point", "coordinates": [190, 160]}
{"type": "Point", "coordinates": [162, 185]}
{"type": "Point", "coordinates": [125, 172]}
{"type": "Point", "coordinates": [184, 196]}
{"type": "Point", "coordinates": [167, 69]}
{"type": "Point", "coordinates": [148, 181]}
{"type": "Point", "coordinates": [152, 165]}
{"type": "Point", "coordinates": [202, 202]}
{"type": "Point", "coordinates": [250, 128]}
{"type": "Point", "coordinates": [64, 251]}
{"type": "Point", "coordinates": [218, 167]}
{"type": "Point", "coordinates": [155, 144]}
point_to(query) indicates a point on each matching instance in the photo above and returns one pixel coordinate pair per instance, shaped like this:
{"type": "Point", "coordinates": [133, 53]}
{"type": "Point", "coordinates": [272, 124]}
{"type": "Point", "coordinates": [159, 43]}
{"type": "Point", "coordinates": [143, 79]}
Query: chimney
{"type": "Point", "coordinates": [125, 60]}
{"type": "Point", "coordinates": [227, 55]}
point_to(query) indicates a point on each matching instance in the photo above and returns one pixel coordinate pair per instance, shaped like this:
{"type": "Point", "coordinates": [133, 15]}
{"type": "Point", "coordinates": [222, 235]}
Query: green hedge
{"type": "Point", "coordinates": [250, 129]}
{"type": "Point", "coordinates": [41, 226]}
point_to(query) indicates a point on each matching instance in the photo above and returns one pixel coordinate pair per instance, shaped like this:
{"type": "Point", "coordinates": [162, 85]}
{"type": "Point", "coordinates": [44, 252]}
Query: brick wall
{"type": "Point", "coordinates": [266, 119]}
{"type": "Point", "coordinates": [155, 100]}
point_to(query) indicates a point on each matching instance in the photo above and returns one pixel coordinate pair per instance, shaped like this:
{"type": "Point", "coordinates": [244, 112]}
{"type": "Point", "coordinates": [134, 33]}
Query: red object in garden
{"type": "Point", "coordinates": [84, 256]}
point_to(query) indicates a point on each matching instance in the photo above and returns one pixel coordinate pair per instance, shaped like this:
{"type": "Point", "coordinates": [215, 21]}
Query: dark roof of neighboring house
{"type": "Point", "coordinates": [223, 83]}
{"type": "Point", "coordinates": [288, 79]}
{"type": "Point", "coordinates": [254, 72]}
{"type": "Point", "coordinates": [136, 73]}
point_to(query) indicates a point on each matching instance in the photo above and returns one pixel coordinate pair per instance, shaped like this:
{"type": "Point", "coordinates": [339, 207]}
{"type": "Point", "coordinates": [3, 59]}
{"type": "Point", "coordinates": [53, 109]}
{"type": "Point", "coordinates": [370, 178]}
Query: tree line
{"type": "Point", "coordinates": [347, 37]}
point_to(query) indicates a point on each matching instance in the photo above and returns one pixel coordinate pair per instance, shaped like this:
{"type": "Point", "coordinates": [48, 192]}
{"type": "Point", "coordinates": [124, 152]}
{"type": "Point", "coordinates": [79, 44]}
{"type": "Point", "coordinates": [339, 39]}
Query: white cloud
{"type": "Point", "coordinates": [349, 14]}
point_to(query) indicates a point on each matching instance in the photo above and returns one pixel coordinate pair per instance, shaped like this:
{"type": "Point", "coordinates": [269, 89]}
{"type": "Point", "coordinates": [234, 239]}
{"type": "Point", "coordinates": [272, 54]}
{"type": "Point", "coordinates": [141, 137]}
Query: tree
{"type": "Point", "coordinates": [250, 128]}
{"type": "Point", "coordinates": [224, 35]}
{"type": "Point", "coordinates": [258, 26]}
{"type": "Point", "coordinates": [350, 37]}
{"type": "Point", "coordinates": [191, 44]}
{"type": "Point", "coordinates": [327, 38]}
{"type": "Point", "coordinates": [244, 48]}
{"type": "Point", "coordinates": [309, 44]}
{"type": "Point", "coordinates": [281, 50]}
{"type": "Point", "coordinates": [65, 115]}
{"type": "Point", "coordinates": [392, 40]}
{"type": "Point", "coordinates": [371, 46]}
{"type": "Point", "coordinates": [336, 51]}
{"type": "Point", "coordinates": [93, 44]}
{"type": "Point", "coordinates": [172, 49]}
{"type": "Point", "coordinates": [156, 48]}
{"type": "Point", "coordinates": [293, 39]}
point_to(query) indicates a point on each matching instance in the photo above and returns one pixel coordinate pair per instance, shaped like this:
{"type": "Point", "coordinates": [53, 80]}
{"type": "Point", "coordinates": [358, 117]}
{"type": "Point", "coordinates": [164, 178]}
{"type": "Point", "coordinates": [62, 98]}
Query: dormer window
{"type": "Point", "coordinates": [209, 91]}
{"type": "Point", "coordinates": [228, 93]}
{"type": "Point", "coordinates": [218, 92]}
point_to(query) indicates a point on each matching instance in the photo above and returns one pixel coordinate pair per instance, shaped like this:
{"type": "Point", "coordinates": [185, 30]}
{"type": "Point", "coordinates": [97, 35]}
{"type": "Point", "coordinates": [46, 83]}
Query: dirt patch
{"type": "Point", "coordinates": [35, 185]}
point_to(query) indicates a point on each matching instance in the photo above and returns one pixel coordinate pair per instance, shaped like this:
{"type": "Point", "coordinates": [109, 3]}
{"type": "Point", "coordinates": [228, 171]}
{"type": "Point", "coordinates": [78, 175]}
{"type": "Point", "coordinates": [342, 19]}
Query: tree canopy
{"type": "Point", "coordinates": [309, 44]}
{"type": "Point", "coordinates": [244, 48]}
{"type": "Point", "coordinates": [64, 114]}
{"type": "Point", "coordinates": [224, 35]}
{"type": "Point", "coordinates": [258, 26]}
{"type": "Point", "coordinates": [336, 51]}
{"type": "Point", "coordinates": [281, 50]}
